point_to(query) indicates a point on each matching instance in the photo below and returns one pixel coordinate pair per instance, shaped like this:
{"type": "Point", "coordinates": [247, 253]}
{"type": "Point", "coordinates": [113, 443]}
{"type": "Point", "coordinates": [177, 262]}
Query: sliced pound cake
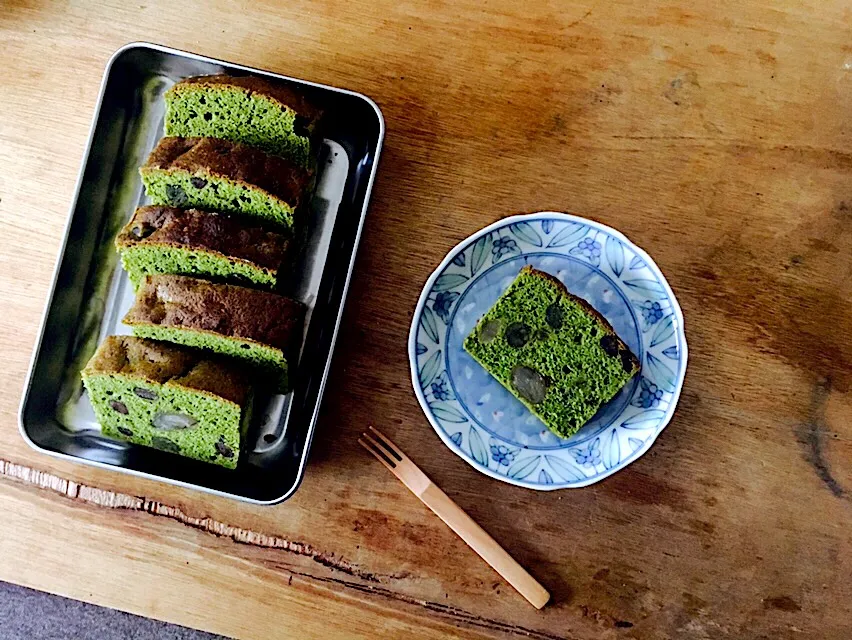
{"type": "Point", "coordinates": [552, 350]}
{"type": "Point", "coordinates": [170, 398]}
{"type": "Point", "coordinates": [256, 111]}
{"type": "Point", "coordinates": [261, 328]}
{"type": "Point", "coordinates": [162, 239]}
{"type": "Point", "coordinates": [225, 176]}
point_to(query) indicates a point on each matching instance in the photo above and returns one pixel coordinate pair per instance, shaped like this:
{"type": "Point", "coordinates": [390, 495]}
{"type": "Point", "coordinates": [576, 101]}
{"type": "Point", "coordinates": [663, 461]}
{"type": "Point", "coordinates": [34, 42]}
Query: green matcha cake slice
{"type": "Point", "coordinates": [170, 398]}
{"type": "Point", "coordinates": [552, 350]}
{"type": "Point", "coordinates": [228, 177]}
{"type": "Point", "coordinates": [253, 110]}
{"type": "Point", "coordinates": [260, 328]}
{"type": "Point", "coordinates": [192, 242]}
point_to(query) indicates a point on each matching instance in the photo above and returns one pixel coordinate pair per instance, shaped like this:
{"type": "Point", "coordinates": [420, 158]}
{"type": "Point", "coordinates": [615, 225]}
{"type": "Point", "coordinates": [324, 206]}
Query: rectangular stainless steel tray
{"type": "Point", "coordinates": [91, 293]}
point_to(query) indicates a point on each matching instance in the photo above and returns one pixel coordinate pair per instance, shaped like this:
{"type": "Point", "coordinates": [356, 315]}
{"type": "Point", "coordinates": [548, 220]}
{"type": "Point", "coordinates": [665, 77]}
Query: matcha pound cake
{"type": "Point", "coordinates": [253, 110]}
{"type": "Point", "coordinates": [552, 350]}
{"type": "Point", "coordinates": [225, 176]}
{"type": "Point", "coordinates": [170, 398]}
{"type": "Point", "coordinates": [192, 242]}
{"type": "Point", "coordinates": [261, 328]}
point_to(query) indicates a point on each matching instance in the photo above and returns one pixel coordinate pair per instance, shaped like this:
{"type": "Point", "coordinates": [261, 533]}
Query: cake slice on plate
{"type": "Point", "coordinates": [170, 398]}
{"type": "Point", "coordinates": [552, 350]}
{"type": "Point", "coordinates": [260, 328]}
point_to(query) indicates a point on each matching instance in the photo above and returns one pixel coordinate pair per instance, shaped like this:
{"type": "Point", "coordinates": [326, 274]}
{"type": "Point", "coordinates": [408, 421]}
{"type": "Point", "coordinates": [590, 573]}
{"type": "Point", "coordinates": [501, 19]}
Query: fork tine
{"type": "Point", "coordinates": [381, 448]}
{"type": "Point", "coordinates": [397, 453]}
{"type": "Point", "coordinates": [377, 455]}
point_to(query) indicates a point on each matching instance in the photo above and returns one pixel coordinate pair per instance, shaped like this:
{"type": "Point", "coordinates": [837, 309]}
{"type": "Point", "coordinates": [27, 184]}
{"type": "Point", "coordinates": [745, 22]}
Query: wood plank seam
{"type": "Point", "coordinates": [107, 499]}
{"type": "Point", "coordinates": [115, 500]}
{"type": "Point", "coordinates": [455, 613]}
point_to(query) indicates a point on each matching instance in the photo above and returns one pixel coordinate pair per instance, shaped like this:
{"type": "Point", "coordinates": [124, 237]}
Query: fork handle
{"type": "Point", "coordinates": [487, 547]}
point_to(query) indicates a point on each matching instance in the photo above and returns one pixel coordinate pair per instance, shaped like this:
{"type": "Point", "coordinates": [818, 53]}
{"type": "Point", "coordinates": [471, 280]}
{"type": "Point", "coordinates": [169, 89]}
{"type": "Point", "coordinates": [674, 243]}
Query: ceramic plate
{"type": "Point", "coordinates": [479, 419]}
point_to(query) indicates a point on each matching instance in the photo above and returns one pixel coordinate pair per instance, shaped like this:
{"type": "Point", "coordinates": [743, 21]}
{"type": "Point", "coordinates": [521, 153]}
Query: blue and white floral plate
{"type": "Point", "coordinates": [479, 419]}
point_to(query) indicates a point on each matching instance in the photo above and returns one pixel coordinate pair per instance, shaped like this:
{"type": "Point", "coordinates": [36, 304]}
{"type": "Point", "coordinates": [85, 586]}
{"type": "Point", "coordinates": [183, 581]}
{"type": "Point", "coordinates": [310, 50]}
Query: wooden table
{"type": "Point", "coordinates": [715, 134]}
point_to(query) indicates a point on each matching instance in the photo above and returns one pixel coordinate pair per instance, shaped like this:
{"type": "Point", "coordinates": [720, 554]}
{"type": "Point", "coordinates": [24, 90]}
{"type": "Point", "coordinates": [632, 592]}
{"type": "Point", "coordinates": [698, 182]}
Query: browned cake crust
{"type": "Point", "coordinates": [205, 230]}
{"type": "Point", "coordinates": [278, 91]}
{"type": "Point", "coordinates": [623, 349]}
{"type": "Point", "coordinates": [225, 309]}
{"type": "Point", "coordinates": [233, 161]}
{"type": "Point", "coordinates": [161, 362]}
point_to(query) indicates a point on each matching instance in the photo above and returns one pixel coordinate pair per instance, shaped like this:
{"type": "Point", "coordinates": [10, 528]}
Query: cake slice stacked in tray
{"type": "Point", "coordinates": [230, 186]}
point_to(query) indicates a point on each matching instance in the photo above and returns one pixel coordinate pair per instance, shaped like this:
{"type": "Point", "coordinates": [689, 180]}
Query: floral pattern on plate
{"type": "Point", "coordinates": [478, 418]}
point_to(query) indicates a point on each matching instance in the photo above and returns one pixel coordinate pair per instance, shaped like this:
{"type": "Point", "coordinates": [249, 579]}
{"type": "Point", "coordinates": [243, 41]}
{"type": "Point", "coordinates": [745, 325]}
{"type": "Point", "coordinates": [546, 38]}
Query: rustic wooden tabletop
{"type": "Point", "coordinates": [715, 134]}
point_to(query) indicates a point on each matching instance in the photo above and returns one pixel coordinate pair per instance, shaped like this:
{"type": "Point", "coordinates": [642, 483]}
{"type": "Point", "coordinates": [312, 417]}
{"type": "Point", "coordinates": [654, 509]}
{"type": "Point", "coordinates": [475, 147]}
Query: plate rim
{"type": "Point", "coordinates": [423, 298]}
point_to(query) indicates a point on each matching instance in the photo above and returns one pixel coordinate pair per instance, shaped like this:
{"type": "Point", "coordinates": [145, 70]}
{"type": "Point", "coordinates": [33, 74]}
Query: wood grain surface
{"type": "Point", "coordinates": [714, 133]}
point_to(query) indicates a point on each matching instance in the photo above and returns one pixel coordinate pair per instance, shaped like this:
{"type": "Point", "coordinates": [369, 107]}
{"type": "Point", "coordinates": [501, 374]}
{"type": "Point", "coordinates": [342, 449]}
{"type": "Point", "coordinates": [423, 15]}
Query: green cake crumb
{"type": "Point", "coordinates": [260, 328]}
{"type": "Point", "coordinates": [169, 398]}
{"type": "Point", "coordinates": [228, 177]}
{"type": "Point", "coordinates": [160, 239]}
{"type": "Point", "coordinates": [268, 359]}
{"type": "Point", "coordinates": [179, 188]}
{"type": "Point", "coordinates": [251, 110]}
{"type": "Point", "coordinates": [145, 260]}
{"type": "Point", "coordinates": [552, 351]}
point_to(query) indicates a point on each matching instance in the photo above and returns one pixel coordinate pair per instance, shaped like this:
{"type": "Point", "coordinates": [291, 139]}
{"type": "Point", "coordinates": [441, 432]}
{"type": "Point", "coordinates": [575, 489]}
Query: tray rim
{"type": "Point", "coordinates": [37, 347]}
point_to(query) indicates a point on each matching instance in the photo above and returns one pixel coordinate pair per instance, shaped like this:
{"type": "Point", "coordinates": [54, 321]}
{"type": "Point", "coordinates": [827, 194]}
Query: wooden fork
{"type": "Point", "coordinates": [475, 536]}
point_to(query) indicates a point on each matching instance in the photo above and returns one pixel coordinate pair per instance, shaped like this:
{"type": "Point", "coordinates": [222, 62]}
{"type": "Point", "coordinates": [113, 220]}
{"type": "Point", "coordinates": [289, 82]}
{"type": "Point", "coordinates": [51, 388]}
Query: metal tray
{"type": "Point", "coordinates": [91, 293]}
